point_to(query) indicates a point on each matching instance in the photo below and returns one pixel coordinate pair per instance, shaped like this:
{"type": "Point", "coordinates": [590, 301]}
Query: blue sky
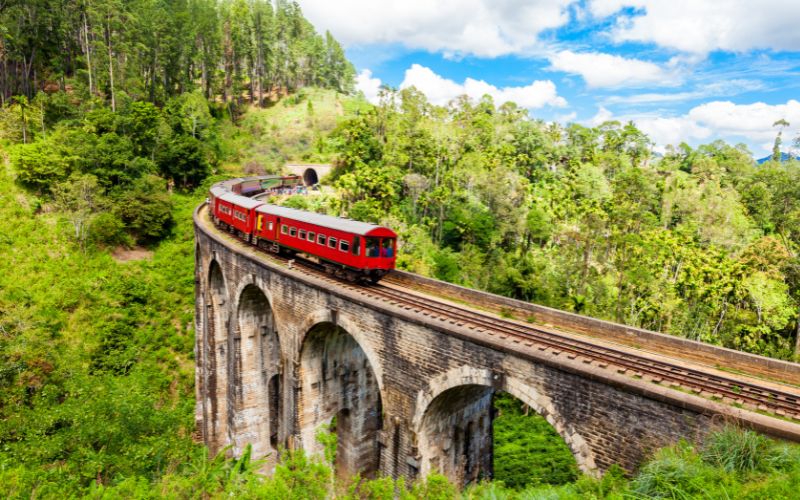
{"type": "Point", "coordinates": [683, 70]}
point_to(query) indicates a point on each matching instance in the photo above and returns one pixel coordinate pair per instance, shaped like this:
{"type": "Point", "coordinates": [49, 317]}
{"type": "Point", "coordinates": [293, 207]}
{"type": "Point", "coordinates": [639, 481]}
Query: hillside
{"type": "Point", "coordinates": [296, 129]}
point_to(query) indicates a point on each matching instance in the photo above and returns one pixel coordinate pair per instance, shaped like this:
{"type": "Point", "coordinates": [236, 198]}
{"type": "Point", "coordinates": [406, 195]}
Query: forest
{"type": "Point", "coordinates": [117, 116]}
{"type": "Point", "coordinates": [234, 51]}
{"type": "Point", "coordinates": [699, 242]}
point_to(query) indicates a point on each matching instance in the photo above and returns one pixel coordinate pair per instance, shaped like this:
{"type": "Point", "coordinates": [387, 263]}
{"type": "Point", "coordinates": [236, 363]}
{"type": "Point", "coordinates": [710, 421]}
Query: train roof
{"type": "Point", "coordinates": [218, 191]}
{"type": "Point", "coordinates": [329, 221]}
{"type": "Point", "coordinates": [242, 201]}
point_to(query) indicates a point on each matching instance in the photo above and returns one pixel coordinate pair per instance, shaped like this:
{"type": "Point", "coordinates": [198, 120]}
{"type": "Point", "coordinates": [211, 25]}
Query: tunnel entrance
{"type": "Point", "coordinates": [310, 177]}
{"type": "Point", "coordinates": [473, 432]}
{"type": "Point", "coordinates": [339, 387]}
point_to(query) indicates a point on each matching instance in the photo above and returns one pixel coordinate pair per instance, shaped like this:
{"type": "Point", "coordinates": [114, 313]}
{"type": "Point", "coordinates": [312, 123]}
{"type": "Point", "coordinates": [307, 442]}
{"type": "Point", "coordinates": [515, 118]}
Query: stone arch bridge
{"type": "Point", "coordinates": [280, 353]}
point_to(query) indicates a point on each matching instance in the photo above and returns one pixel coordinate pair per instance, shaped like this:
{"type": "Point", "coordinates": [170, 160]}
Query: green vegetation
{"type": "Point", "coordinates": [116, 116]}
{"type": "Point", "coordinates": [527, 449]}
{"type": "Point", "coordinates": [234, 51]}
{"type": "Point", "coordinates": [700, 243]}
{"type": "Point", "coordinates": [96, 369]}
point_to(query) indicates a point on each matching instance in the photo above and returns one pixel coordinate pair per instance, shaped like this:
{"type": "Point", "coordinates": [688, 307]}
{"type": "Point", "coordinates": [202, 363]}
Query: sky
{"type": "Point", "coordinates": [683, 70]}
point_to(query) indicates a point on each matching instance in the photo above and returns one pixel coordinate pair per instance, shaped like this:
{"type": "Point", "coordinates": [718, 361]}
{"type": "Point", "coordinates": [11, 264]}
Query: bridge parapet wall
{"type": "Point", "coordinates": [782, 370]}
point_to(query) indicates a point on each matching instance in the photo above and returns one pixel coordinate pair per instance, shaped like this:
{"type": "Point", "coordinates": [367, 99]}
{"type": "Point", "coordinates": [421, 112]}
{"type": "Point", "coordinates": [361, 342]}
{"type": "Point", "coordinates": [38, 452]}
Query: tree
{"type": "Point", "coordinates": [80, 199]}
{"type": "Point", "coordinates": [776, 149]}
{"type": "Point", "coordinates": [184, 160]}
{"type": "Point", "coordinates": [145, 208]}
{"type": "Point", "coordinates": [39, 166]}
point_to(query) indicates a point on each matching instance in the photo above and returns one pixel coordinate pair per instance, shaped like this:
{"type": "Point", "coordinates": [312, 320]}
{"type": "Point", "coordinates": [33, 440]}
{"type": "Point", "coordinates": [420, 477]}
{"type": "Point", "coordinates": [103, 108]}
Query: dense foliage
{"type": "Point", "coordinates": [700, 243]}
{"type": "Point", "coordinates": [233, 50]}
{"type": "Point", "coordinates": [95, 355]}
{"type": "Point", "coordinates": [527, 449]}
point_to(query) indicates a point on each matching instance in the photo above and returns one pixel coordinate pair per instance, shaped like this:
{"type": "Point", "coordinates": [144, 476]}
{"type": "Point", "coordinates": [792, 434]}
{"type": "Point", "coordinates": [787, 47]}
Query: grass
{"type": "Point", "coordinates": [296, 128]}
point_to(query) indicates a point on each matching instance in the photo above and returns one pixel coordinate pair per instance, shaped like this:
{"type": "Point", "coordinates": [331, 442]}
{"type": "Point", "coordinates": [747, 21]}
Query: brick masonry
{"type": "Point", "coordinates": [280, 353]}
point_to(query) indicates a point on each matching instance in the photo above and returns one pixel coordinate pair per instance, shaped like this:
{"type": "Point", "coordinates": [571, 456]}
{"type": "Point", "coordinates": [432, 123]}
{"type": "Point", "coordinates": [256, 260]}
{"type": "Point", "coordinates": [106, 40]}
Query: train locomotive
{"type": "Point", "coordinates": [352, 250]}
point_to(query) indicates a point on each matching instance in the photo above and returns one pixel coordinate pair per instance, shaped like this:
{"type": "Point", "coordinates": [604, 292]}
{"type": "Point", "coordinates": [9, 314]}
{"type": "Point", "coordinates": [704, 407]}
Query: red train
{"type": "Point", "coordinates": [353, 250]}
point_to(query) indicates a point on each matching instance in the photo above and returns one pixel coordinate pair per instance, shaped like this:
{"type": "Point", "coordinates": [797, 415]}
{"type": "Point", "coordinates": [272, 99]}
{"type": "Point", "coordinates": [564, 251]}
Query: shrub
{"type": "Point", "coordinates": [675, 472]}
{"type": "Point", "coordinates": [737, 450]}
{"type": "Point", "coordinates": [108, 229]}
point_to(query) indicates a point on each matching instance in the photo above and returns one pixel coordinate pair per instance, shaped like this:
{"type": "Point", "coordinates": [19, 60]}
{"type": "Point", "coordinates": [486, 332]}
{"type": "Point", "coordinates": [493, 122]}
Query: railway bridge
{"type": "Point", "coordinates": [407, 370]}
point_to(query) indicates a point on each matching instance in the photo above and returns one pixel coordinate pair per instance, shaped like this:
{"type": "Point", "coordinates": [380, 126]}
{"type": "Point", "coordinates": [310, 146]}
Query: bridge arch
{"type": "Point", "coordinates": [339, 387]}
{"type": "Point", "coordinates": [334, 317]}
{"type": "Point", "coordinates": [215, 357]}
{"type": "Point", "coordinates": [256, 373]}
{"type": "Point", "coordinates": [473, 388]}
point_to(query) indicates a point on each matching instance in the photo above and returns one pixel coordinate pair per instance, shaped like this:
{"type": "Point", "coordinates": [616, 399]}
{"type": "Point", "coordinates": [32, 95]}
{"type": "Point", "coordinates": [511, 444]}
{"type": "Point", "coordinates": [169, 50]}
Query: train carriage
{"type": "Point", "coordinates": [350, 249]}
{"type": "Point", "coordinates": [357, 251]}
{"type": "Point", "coordinates": [238, 212]}
{"type": "Point", "coordinates": [215, 193]}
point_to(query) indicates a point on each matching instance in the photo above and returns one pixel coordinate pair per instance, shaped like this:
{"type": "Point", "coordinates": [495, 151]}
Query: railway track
{"type": "Point", "coordinates": [741, 392]}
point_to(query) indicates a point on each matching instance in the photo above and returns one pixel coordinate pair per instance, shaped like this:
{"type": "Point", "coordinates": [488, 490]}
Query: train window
{"type": "Point", "coordinates": [293, 231]}
{"type": "Point", "coordinates": [373, 247]}
{"type": "Point", "coordinates": [311, 236]}
{"type": "Point", "coordinates": [321, 239]}
{"type": "Point", "coordinates": [225, 210]}
{"type": "Point", "coordinates": [302, 234]}
{"type": "Point", "coordinates": [344, 246]}
{"type": "Point", "coordinates": [387, 247]}
{"type": "Point", "coordinates": [270, 226]}
{"type": "Point", "coordinates": [284, 229]}
{"type": "Point", "coordinates": [356, 246]}
{"type": "Point", "coordinates": [332, 242]}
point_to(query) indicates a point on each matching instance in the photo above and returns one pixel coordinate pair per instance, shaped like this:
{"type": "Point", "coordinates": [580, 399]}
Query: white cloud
{"type": "Point", "coordinates": [752, 121]}
{"type": "Point", "coordinates": [672, 130]}
{"type": "Point", "coordinates": [749, 123]}
{"type": "Point", "coordinates": [440, 90]}
{"type": "Point", "coordinates": [368, 85]}
{"type": "Point", "coordinates": [703, 26]}
{"type": "Point", "coordinates": [483, 28]}
{"type": "Point", "coordinates": [606, 70]}
{"type": "Point", "coordinates": [603, 115]}
{"type": "Point", "coordinates": [567, 118]}
{"type": "Point", "coordinates": [717, 89]}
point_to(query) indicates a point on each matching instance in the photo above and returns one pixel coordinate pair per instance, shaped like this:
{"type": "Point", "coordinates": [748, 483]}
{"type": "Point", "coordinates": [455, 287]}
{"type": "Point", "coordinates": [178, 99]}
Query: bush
{"type": "Point", "coordinates": [145, 208]}
{"type": "Point", "coordinates": [737, 450]}
{"type": "Point", "coordinates": [678, 472]}
{"type": "Point", "coordinates": [108, 229]}
{"type": "Point", "coordinates": [38, 166]}
{"type": "Point", "coordinates": [185, 161]}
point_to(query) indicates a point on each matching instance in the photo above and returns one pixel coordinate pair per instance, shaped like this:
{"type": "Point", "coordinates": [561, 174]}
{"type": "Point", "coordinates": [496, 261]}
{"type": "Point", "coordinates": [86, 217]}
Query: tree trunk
{"type": "Point", "coordinates": [110, 63]}
{"type": "Point", "coordinates": [260, 75]}
{"type": "Point", "coordinates": [88, 52]}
